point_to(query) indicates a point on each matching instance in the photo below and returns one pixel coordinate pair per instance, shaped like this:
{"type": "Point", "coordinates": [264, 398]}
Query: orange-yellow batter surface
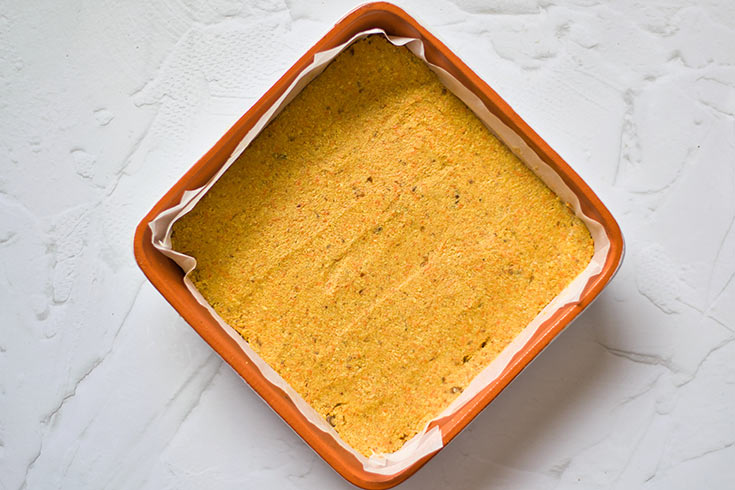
{"type": "Point", "coordinates": [378, 246]}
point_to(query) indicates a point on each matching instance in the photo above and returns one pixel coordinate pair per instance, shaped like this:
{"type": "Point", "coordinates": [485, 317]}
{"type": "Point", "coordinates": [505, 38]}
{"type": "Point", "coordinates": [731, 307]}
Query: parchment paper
{"type": "Point", "coordinates": [426, 441]}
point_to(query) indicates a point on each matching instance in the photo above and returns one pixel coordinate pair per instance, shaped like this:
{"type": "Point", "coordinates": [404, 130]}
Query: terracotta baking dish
{"type": "Point", "coordinates": [167, 277]}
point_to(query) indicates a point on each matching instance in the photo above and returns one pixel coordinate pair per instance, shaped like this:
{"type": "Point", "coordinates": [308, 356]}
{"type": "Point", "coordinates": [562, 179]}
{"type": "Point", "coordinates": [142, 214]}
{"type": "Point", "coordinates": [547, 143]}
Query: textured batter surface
{"type": "Point", "coordinates": [378, 246]}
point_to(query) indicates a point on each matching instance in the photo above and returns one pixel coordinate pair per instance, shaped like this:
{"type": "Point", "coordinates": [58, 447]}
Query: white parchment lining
{"type": "Point", "coordinates": [424, 442]}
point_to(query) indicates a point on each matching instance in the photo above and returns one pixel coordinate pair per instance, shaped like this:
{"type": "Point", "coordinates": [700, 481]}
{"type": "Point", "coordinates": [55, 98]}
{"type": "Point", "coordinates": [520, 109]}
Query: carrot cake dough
{"type": "Point", "coordinates": [378, 246]}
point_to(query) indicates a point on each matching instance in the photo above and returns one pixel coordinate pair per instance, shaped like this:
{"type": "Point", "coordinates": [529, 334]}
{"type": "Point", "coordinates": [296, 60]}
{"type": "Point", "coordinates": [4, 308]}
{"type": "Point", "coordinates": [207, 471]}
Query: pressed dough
{"type": "Point", "coordinates": [378, 246]}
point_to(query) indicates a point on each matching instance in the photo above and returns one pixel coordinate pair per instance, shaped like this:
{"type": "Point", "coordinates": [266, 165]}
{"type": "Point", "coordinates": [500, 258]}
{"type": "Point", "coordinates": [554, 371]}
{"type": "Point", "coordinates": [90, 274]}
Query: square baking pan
{"type": "Point", "coordinates": [168, 277]}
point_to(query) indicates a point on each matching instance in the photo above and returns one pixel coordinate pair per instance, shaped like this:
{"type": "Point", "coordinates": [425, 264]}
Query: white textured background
{"type": "Point", "coordinates": [104, 104]}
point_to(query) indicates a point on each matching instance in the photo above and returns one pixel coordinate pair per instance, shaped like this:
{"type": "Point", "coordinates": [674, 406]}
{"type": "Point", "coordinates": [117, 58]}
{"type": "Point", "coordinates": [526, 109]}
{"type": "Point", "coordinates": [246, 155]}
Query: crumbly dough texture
{"type": "Point", "coordinates": [378, 246]}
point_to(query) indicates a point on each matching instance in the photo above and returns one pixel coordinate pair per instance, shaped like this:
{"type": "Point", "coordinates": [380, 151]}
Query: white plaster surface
{"type": "Point", "coordinates": [103, 105]}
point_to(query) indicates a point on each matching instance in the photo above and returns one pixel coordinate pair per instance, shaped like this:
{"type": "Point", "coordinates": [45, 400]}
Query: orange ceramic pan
{"type": "Point", "coordinates": [167, 277]}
